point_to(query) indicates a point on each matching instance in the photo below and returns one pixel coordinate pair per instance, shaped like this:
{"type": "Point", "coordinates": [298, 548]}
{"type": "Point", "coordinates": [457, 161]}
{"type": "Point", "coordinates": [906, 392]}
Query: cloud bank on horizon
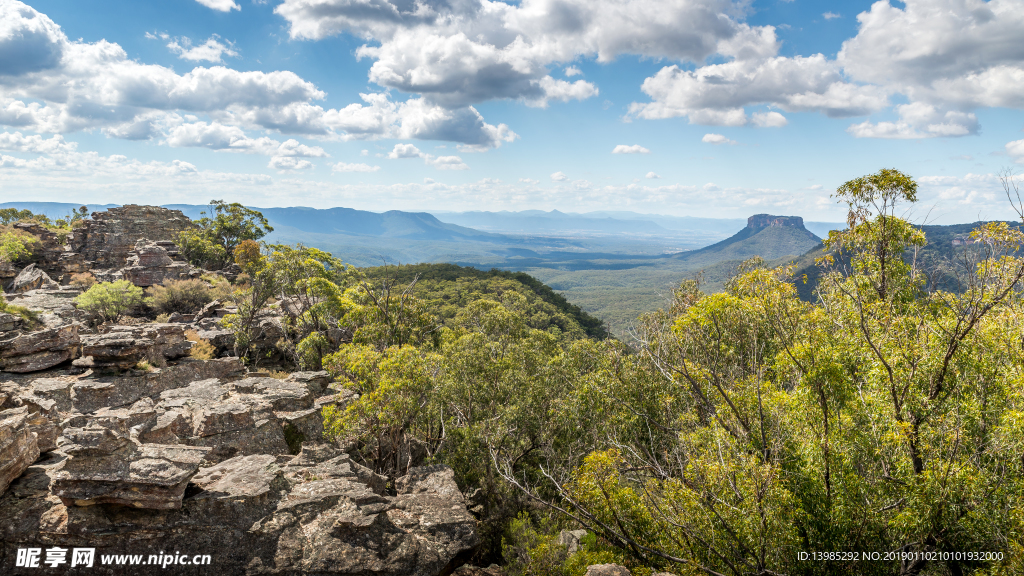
{"type": "Point", "coordinates": [525, 92]}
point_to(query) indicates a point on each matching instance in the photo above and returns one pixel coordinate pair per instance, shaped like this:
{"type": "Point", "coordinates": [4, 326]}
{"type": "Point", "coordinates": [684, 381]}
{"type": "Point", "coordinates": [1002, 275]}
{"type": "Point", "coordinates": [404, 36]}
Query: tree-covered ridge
{"type": "Point", "coordinates": [448, 288]}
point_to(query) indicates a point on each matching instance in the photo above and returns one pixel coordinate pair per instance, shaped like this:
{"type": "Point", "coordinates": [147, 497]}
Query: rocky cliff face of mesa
{"type": "Point", "coordinates": [759, 221]}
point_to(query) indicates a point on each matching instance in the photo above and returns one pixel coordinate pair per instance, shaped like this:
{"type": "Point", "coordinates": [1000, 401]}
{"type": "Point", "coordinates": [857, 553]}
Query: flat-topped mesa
{"type": "Point", "coordinates": [759, 221]}
{"type": "Point", "coordinates": [109, 236]}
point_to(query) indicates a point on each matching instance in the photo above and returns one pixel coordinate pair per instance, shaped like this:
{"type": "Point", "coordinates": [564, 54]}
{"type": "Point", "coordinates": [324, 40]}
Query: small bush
{"type": "Point", "coordinates": [202, 349]}
{"type": "Point", "coordinates": [83, 280]}
{"type": "Point", "coordinates": [110, 300]}
{"type": "Point", "coordinates": [15, 247]}
{"type": "Point", "coordinates": [182, 296]}
{"type": "Point", "coordinates": [144, 365]}
{"type": "Point", "coordinates": [161, 318]}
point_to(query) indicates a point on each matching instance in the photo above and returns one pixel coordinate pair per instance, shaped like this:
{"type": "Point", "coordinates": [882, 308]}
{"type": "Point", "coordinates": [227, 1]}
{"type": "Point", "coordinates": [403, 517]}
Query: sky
{"type": "Point", "coordinates": [712, 108]}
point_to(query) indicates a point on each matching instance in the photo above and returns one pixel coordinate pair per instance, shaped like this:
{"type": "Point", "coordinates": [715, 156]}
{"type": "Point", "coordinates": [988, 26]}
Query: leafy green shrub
{"type": "Point", "coordinates": [200, 251]}
{"type": "Point", "coordinates": [15, 247]}
{"type": "Point", "coordinates": [110, 300]}
{"type": "Point", "coordinates": [183, 296]}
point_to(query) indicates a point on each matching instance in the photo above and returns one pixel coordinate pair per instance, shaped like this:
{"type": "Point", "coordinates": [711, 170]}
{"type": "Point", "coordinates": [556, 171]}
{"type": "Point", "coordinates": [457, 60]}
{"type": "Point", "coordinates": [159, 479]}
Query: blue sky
{"type": "Point", "coordinates": [719, 108]}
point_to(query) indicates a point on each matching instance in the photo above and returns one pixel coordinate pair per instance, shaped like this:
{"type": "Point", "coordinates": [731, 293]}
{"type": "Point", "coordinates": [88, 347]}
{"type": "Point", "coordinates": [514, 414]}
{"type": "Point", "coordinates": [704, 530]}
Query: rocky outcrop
{"type": "Point", "coordinates": [104, 466]}
{"type": "Point", "coordinates": [316, 513]}
{"type": "Point", "coordinates": [38, 350]}
{"type": "Point", "coordinates": [18, 445]}
{"type": "Point", "coordinates": [106, 239]}
{"type": "Point", "coordinates": [32, 278]}
{"type": "Point", "coordinates": [150, 263]}
{"type": "Point", "coordinates": [124, 346]}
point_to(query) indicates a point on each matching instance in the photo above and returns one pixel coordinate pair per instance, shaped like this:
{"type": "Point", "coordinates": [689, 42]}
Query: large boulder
{"type": "Point", "coordinates": [56, 308]}
{"type": "Point", "coordinates": [32, 278]}
{"type": "Point", "coordinates": [38, 350]}
{"type": "Point", "coordinates": [18, 446]}
{"type": "Point", "coordinates": [104, 466]}
{"type": "Point", "coordinates": [124, 346]}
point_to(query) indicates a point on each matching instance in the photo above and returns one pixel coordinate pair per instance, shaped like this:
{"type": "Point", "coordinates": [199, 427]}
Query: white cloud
{"type": "Point", "coordinates": [210, 51]}
{"type": "Point", "coordinates": [918, 120]}
{"type": "Point", "coordinates": [559, 177]}
{"type": "Point", "coordinates": [446, 162]}
{"type": "Point", "coordinates": [35, 143]}
{"type": "Point", "coordinates": [289, 163]}
{"type": "Point", "coordinates": [831, 15]}
{"type": "Point", "coordinates": [769, 120]}
{"type": "Point", "coordinates": [439, 162]}
{"type": "Point", "coordinates": [51, 84]}
{"type": "Point", "coordinates": [405, 151]}
{"type": "Point", "coordinates": [634, 149]}
{"type": "Point", "coordinates": [572, 71]}
{"type": "Point", "coordinates": [1016, 150]}
{"type": "Point", "coordinates": [652, 176]}
{"type": "Point", "coordinates": [232, 139]}
{"type": "Point", "coordinates": [460, 53]}
{"type": "Point", "coordinates": [221, 5]}
{"type": "Point", "coordinates": [344, 167]}
{"type": "Point", "coordinates": [716, 139]}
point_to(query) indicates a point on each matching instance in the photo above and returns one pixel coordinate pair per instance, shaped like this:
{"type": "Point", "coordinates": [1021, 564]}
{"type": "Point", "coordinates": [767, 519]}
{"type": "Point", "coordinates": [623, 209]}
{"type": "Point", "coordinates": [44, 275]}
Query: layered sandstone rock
{"type": "Point", "coordinates": [38, 350]}
{"type": "Point", "coordinates": [150, 263]}
{"type": "Point", "coordinates": [124, 346]}
{"type": "Point", "coordinates": [18, 445]}
{"type": "Point", "coordinates": [104, 466]}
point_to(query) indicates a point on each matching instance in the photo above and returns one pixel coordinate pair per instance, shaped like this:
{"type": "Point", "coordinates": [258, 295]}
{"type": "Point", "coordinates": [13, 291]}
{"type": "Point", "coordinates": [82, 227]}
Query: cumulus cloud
{"type": "Point", "coordinates": [769, 120]}
{"type": "Point", "coordinates": [919, 120]}
{"type": "Point", "coordinates": [289, 163]}
{"type": "Point", "coordinates": [461, 53]}
{"type": "Point", "coordinates": [232, 139]}
{"type": "Point", "coordinates": [35, 143]}
{"type": "Point", "coordinates": [831, 16]}
{"type": "Point", "coordinates": [51, 84]}
{"type": "Point", "coordinates": [716, 139]}
{"type": "Point", "coordinates": [439, 162]}
{"type": "Point", "coordinates": [634, 149]}
{"type": "Point", "coordinates": [945, 57]}
{"type": "Point", "coordinates": [221, 5]}
{"type": "Point", "coordinates": [652, 176]}
{"type": "Point", "coordinates": [559, 177]}
{"type": "Point", "coordinates": [1015, 150]}
{"type": "Point", "coordinates": [210, 51]}
{"type": "Point", "coordinates": [572, 71]}
{"type": "Point", "coordinates": [345, 167]}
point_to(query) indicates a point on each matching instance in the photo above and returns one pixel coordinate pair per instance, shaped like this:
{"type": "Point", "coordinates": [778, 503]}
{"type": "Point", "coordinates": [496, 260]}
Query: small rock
{"type": "Point", "coordinates": [607, 570]}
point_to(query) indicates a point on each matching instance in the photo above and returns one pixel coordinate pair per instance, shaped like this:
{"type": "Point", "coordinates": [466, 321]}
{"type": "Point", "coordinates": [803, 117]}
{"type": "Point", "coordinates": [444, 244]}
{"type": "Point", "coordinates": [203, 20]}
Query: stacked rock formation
{"type": "Point", "coordinates": [106, 239]}
{"type": "Point", "coordinates": [150, 263]}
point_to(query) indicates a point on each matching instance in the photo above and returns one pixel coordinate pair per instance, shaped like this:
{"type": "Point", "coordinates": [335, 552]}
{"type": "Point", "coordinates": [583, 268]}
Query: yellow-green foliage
{"type": "Point", "coordinates": [110, 300]}
{"type": "Point", "coordinates": [16, 246]}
